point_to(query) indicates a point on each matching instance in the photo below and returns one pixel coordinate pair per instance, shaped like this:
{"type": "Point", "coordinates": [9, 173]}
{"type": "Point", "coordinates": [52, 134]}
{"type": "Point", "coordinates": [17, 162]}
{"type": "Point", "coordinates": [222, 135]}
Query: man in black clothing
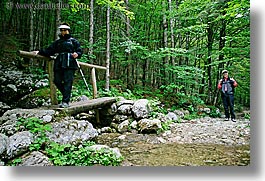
{"type": "Point", "coordinates": [65, 65]}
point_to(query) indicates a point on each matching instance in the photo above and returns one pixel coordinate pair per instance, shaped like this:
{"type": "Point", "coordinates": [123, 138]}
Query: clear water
{"type": "Point", "coordinates": [143, 150]}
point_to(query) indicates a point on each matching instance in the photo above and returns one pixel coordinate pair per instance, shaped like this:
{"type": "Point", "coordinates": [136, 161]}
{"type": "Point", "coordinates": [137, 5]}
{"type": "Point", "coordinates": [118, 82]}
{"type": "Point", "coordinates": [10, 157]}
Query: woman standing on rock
{"type": "Point", "coordinates": [65, 65]}
{"type": "Point", "coordinates": [227, 86]}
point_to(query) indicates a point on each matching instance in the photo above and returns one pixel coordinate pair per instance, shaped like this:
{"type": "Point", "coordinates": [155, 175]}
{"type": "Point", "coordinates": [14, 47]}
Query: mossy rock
{"type": "Point", "coordinates": [36, 99]}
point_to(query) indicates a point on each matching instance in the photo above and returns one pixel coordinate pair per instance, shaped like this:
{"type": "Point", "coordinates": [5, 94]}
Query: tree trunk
{"type": "Point", "coordinates": [91, 28]}
{"type": "Point", "coordinates": [58, 20]}
{"type": "Point", "coordinates": [31, 30]}
{"type": "Point", "coordinates": [165, 44]}
{"type": "Point", "coordinates": [129, 58]}
{"type": "Point", "coordinates": [221, 55]}
{"type": "Point", "coordinates": [54, 99]}
{"type": "Point", "coordinates": [108, 50]}
{"type": "Point", "coordinates": [171, 22]}
{"type": "Point", "coordinates": [209, 60]}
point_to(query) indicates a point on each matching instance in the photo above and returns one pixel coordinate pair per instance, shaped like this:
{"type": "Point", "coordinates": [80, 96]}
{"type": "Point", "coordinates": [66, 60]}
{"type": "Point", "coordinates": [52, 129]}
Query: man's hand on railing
{"type": "Point", "coordinates": [75, 55]}
{"type": "Point", "coordinates": [36, 52]}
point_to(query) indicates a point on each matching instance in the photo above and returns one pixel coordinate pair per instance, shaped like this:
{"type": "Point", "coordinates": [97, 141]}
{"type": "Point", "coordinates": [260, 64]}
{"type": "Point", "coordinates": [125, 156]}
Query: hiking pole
{"type": "Point", "coordinates": [80, 70]}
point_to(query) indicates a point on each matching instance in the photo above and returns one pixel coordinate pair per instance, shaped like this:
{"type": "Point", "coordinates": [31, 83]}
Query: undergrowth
{"type": "Point", "coordinates": [66, 154]}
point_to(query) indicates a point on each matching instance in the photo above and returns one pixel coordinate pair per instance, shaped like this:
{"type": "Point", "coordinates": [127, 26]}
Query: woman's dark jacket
{"type": "Point", "coordinates": [63, 47]}
{"type": "Point", "coordinates": [229, 83]}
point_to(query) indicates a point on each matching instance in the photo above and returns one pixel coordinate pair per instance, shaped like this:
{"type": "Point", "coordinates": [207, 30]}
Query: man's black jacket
{"type": "Point", "coordinates": [64, 47]}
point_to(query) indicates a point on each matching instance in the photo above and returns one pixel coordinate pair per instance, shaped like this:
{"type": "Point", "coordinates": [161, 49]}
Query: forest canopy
{"type": "Point", "coordinates": [176, 49]}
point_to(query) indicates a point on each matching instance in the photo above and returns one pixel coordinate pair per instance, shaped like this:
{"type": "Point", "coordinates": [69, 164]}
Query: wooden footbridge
{"type": "Point", "coordinates": [84, 106]}
{"type": "Point", "coordinates": [53, 94]}
{"type": "Point", "coordinates": [76, 107]}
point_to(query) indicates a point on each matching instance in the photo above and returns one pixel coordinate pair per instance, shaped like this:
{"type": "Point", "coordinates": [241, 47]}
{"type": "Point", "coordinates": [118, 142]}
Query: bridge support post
{"type": "Point", "coordinates": [53, 94]}
{"type": "Point", "coordinates": [95, 91]}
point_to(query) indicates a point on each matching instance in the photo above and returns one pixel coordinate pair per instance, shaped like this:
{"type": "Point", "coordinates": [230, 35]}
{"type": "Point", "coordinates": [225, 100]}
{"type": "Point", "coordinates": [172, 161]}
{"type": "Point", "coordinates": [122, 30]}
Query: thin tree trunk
{"type": "Point", "coordinates": [209, 60]}
{"type": "Point", "coordinates": [171, 22]}
{"type": "Point", "coordinates": [179, 34]}
{"type": "Point", "coordinates": [31, 35]}
{"type": "Point", "coordinates": [144, 66]}
{"type": "Point", "coordinates": [129, 67]}
{"type": "Point", "coordinates": [91, 25]}
{"type": "Point", "coordinates": [54, 99]}
{"type": "Point", "coordinates": [58, 20]}
{"type": "Point", "coordinates": [187, 47]}
{"type": "Point", "coordinates": [108, 50]}
{"type": "Point", "coordinates": [165, 44]}
{"type": "Point", "coordinates": [221, 56]}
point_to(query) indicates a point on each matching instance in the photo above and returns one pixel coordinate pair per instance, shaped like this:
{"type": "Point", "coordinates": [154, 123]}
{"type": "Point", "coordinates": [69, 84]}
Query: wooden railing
{"type": "Point", "coordinates": [53, 94]}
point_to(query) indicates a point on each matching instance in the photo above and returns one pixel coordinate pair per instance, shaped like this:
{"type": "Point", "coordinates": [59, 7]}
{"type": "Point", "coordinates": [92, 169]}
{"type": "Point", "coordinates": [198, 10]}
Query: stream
{"type": "Point", "coordinates": [156, 150]}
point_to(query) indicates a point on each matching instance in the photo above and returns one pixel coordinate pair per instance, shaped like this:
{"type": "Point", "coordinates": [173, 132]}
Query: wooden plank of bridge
{"type": "Point", "coordinates": [84, 106]}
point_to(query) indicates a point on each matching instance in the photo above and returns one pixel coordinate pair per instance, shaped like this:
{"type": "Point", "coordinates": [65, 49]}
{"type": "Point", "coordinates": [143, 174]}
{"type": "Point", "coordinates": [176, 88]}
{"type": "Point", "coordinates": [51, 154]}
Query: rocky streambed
{"type": "Point", "coordinates": [200, 142]}
{"type": "Point", "coordinates": [134, 135]}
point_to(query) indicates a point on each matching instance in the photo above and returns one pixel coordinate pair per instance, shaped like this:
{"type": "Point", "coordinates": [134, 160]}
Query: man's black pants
{"type": "Point", "coordinates": [228, 102]}
{"type": "Point", "coordinates": [63, 79]}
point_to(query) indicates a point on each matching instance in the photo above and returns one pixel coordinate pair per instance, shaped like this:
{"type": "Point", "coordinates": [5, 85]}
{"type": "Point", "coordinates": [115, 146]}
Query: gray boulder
{"type": "Point", "coordinates": [141, 109]}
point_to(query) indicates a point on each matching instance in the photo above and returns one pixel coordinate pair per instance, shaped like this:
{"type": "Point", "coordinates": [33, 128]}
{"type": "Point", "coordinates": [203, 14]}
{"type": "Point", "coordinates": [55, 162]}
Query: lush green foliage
{"type": "Point", "coordinates": [67, 154]}
{"type": "Point", "coordinates": [35, 126]}
{"type": "Point", "coordinates": [82, 155]}
{"type": "Point", "coordinates": [247, 115]}
{"type": "Point", "coordinates": [165, 127]}
{"type": "Point", "coordinates": [175, 52]}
